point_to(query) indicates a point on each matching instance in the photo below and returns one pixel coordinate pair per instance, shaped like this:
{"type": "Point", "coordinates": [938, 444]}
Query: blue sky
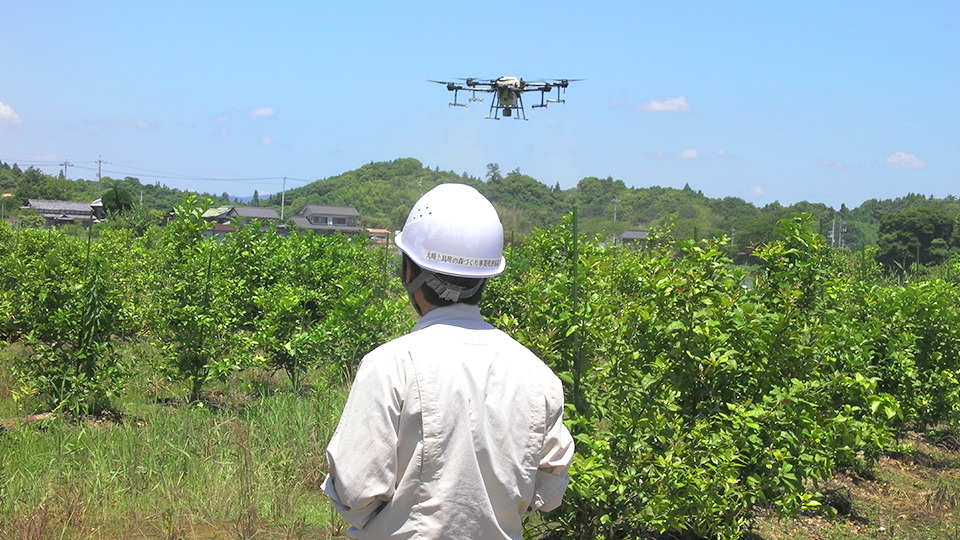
{"type": "Point", "coordinates": [833, 102]}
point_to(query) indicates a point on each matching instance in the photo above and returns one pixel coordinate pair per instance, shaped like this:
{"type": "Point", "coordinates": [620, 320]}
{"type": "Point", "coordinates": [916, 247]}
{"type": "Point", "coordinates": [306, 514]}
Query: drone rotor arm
{"type": "Point", "coordinates": [508, 93]}
{"type": "Point", "coordinates": [450, 85]}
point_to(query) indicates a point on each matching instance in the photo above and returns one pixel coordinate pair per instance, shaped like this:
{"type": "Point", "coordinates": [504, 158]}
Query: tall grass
{"type": "Point", "coordinates": [252, 463]}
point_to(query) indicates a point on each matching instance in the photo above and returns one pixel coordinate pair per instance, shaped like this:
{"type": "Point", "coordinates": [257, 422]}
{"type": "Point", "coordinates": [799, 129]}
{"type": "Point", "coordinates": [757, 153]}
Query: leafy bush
{"type": "Point", "coordinates": [699, 394]}
{"type": "Point", "coordinates": [65, 308]}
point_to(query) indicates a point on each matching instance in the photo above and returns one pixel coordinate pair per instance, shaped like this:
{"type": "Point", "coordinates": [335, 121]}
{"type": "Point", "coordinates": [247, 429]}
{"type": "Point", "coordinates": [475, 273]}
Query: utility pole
{"type": "Point", "coordinates": [99, 165]}
{"type": "Point", "coordinates": [283, 194]}
{"type": "Point", "coordinates": [615, 201]}
{"type": "Point", "coordinates": [836, 236]}
{"type": "Point", "coordinates": [3, 204]}
{"type": "Point", "coordinates": [65, 164]}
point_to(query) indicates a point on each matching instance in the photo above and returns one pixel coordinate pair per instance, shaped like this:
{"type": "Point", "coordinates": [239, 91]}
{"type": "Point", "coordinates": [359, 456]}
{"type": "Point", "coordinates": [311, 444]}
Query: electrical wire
{"type": "Point", "coordinates": [127, 170]}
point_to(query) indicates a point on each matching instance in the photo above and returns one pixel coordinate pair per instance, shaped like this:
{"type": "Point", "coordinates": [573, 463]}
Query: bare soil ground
{"type": "Point", "coordinates": [913, 495]}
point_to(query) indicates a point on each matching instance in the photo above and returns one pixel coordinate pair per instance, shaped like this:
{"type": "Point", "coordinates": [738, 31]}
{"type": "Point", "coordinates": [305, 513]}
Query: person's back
{"type": "Point", "coordinates": [454, 430]}
{"type": "Point", "coordinates": [479, 440]}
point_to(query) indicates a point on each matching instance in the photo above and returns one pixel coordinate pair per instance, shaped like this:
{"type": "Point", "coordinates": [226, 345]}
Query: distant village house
{"type": "Point", "coordinates": [379, 236]}
{"type": "Point", "coordinates": [56, 213]}
{"type": "Point", "coordinates": [328, 219]}
{"type": "Point", "coordinates": [225, 217]}
{"type": "Point", "coordinates": [636, 238]}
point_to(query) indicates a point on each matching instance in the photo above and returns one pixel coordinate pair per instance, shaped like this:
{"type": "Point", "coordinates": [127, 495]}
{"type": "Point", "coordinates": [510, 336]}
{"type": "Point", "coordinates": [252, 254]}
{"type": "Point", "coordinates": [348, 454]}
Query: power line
{"type": "Point", "coordinates": [100, 163]}
{"type": "Point", "coordinates": [135, 172]}
{"type": "Point", "coordinates": [126, 170]}
{"type": "Point", "coordinates": [65, 164]}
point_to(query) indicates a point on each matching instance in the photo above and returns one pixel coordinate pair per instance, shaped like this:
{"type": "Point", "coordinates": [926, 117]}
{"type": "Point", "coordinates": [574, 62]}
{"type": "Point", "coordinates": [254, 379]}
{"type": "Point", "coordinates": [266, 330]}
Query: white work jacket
{"type": "Point", "coordinates": [452, 431]}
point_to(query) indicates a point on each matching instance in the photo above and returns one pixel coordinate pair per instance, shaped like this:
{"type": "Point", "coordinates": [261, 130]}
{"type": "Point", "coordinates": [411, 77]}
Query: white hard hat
{"type": "Point", "coordinates": [454, 230]}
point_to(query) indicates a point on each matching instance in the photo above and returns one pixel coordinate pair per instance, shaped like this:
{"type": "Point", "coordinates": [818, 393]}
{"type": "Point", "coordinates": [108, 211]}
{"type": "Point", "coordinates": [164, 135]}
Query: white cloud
{"type": "Point", "coordinates": [902, 160]}
{"type": "Point", "coordinates": [677, 104]}
{"type": "Point", "coordinates": [262, 112]}
{"type": "Point", "coordinates": [755, 191]}
{"type": "Point", "coordinates": [721, 153]}
{"type": "Point", "coordinates": [8, 115]}
{"type": "Point", "coordinates": [689, 153]}
{"type": "Point", "coordinates": [266, 141]}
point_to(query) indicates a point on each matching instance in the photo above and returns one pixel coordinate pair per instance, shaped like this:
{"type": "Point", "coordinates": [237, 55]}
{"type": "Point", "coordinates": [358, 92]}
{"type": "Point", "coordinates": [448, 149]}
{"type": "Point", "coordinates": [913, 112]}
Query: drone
{"type": "Point", "coordinates": [508, 93]}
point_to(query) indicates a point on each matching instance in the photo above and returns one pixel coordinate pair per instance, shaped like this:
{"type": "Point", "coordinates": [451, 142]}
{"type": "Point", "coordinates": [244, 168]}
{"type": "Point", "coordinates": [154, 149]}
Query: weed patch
{"type": "Point", "coordinates": [245, 469]}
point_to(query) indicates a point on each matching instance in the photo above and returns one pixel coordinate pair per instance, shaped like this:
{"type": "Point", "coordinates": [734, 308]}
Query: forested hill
{"type": "Point", "coordinates": [384, 191]}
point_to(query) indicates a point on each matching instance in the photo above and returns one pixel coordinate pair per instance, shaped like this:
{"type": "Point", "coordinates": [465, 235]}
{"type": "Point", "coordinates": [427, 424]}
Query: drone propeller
{"type": "Point", "coordinates": [508, 91]}
{"type": "Point", "coordinates": [450, 86]}
{"type": "Point", "coordinates": [471, 81]}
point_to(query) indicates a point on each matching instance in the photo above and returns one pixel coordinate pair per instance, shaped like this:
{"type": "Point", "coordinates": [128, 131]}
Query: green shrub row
{"type": "Point", "coordinates": [701, 394]}
{"type": "Point", "coordinates": [212, 305]}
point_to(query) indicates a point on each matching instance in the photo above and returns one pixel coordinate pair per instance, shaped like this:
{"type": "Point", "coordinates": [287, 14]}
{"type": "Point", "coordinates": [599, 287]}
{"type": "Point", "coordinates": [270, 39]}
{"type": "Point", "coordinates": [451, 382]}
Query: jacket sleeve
{"type": "Point", "coordinates": [361, 455]}
{"type": "Point", "coordinates": [553, 475]}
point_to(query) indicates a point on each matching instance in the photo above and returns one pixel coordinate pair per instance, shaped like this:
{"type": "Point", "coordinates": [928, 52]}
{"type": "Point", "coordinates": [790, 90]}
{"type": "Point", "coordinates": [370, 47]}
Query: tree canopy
{"type": "Point", "coordinates": [919, 234]}
{"type": "Point", "coordinates": [383, 192]}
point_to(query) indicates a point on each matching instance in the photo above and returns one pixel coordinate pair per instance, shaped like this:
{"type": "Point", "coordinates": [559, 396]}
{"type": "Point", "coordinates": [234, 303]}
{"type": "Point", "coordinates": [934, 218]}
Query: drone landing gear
{"type": "Point", "coordinates": [543, 93]}
{"type": "Point", "coordinates": [472, 98]}
{"type": "Point", "coordinates": [496, 107]}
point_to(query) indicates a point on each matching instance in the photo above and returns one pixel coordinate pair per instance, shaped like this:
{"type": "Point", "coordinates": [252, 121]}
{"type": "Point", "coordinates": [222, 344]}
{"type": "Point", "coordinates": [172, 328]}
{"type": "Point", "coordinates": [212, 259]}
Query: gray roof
{"type": "Point", "coordinates": [215, 212]}
{"type": "Point", "coordinates": [304, 223]}
{"type": "Point", "coordinates": [634, 235]}
{"type": "Point", "coordinates": [255, 212]}
{"type": "Point", "coordinates": [330, 210]}
{"type": "Point", "coordinates": [45, 206]}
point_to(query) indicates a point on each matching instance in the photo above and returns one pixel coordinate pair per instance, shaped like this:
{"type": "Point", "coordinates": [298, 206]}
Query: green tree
{"type": "Point", "coordinates": [524, 202]}
{"type": "Point", "coordinates": [64, 305]}
{"type": "Point", "coordinates": [33, 184]}
{"type": "Point", "coordinates": [595, 197]}
{"type": "Point", "coordinates": [955, 241]}
{"type": "Point", "coordinates": [493, 173]}
{"type": "Point", "coordinates": [138, 219]}
{"type": "Point", "coordinates": [915, 235]}
{"type": "Point", "coordinates": [117, 200]}
{"type": "Point", "coordinates": [198, 322]}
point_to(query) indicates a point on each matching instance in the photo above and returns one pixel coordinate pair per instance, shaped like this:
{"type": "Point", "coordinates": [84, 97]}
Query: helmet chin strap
{"type": "Point", "coordinates": [446, 291]}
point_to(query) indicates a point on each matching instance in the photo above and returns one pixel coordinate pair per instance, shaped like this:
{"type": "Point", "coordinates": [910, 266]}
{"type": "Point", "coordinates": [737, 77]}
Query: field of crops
{"type": "Point", "coordinates": [173, 385]}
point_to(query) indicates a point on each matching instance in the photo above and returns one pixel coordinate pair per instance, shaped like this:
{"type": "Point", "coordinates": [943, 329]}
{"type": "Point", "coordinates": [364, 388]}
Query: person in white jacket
{"type": "Point", "coordinates": [454, 430]}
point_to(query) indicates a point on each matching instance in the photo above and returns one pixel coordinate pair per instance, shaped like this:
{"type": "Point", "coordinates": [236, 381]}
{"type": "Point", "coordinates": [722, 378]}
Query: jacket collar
{"type": "Point", "coordinates": [462, 315]}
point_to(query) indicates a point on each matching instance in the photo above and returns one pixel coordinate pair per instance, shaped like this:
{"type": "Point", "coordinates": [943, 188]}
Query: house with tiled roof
{"type": "Point", "coordinates": [329, 219]}
{"type": "Point", "coordinates": [250, 213]}
{"type": "Point", "coordinates": [57, 213]}
{"type": "Point", "coordinates": [246, 214]}
{"type": "Point", "coordinates": [225, 217]}
{"type": "Point", "coordinates": [634, 237]}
